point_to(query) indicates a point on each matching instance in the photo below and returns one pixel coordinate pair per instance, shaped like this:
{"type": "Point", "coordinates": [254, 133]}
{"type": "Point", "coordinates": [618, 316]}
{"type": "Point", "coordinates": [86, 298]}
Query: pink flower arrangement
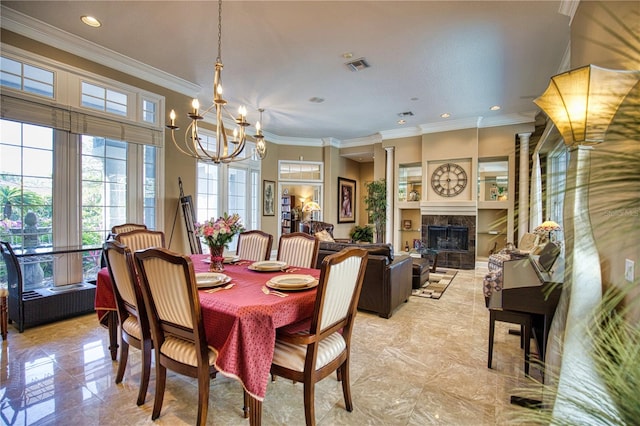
{"type": "Point", "coordinates": [220, 232]}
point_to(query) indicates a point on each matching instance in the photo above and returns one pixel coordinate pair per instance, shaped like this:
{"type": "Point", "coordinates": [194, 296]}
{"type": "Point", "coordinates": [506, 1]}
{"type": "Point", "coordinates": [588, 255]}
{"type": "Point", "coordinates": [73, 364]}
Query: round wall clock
{"type": "Point", "coordinates": [449, 180]}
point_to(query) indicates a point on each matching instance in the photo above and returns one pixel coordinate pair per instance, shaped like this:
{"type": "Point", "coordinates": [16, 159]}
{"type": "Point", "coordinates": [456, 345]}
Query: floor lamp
{"type": "Point", "coordinates": [581, 103]}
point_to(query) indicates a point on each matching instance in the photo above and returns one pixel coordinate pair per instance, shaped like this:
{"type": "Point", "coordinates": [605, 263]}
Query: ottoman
{"type": "Point", "coordinates": [420, 273]}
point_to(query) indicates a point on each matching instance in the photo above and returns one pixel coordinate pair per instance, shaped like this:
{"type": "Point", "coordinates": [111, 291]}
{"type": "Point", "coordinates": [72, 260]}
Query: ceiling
{"type": "Point", "coordinates": [426, 58]}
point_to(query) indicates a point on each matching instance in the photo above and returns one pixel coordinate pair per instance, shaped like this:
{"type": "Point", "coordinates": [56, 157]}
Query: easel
{"type": "Point", "coordinates": [189, 214]}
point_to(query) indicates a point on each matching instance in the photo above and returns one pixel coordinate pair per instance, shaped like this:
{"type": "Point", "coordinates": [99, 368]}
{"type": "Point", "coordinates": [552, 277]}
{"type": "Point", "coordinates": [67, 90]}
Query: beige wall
{"type": "Point", "coordinates": [606, 34]}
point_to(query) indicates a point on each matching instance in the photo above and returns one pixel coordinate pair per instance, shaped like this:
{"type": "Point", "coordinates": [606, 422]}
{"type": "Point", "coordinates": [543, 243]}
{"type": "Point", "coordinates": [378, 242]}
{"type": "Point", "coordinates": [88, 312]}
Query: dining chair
{"type": "Point", "coordinates": [141, 239]}
{"type": "Point", "coordinates": [173, 306]}
{"type": "Point", "coordinates": [254, 245]}
{"type": "Point", "coordinates": [310, 356]}
{"type": "Point", "coordinates": [134, 324]}
{"type": "Point", "coordinates": [298, 249]}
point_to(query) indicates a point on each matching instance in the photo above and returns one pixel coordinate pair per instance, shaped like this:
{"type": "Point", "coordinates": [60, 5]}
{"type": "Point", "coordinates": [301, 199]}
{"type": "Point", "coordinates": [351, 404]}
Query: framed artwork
{"type": "Point", "coordinates": [406, 224]}
{"type": "Point", "coordinates": [346, 200]}
{"type": "Point", "coordinates": [268, 202]}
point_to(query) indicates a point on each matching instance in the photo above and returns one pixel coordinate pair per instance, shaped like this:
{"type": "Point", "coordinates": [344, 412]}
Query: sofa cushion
{"type": "Point", "coordinates": [324, 236]}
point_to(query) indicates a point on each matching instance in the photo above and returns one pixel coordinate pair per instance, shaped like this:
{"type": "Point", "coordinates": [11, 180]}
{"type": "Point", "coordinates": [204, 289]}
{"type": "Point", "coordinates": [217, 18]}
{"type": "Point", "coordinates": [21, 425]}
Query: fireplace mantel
{"type": "Point", "coordinates": [439, 208]}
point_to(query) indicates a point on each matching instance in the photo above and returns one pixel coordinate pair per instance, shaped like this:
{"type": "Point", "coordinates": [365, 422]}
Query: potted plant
{"type": "Point", "coordinates": [362, 234]}
{"type": "Point", "coordinates": [376, 205]}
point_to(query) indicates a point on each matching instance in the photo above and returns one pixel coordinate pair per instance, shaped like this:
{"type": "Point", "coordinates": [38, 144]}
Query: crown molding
{"type": "Point", "coordinates": [47, 34]}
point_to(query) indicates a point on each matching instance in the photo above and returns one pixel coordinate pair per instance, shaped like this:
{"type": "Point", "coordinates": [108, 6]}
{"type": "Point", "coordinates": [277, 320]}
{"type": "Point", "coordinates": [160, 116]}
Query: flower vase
{"type": "Point", "coordinates": [217, 258]}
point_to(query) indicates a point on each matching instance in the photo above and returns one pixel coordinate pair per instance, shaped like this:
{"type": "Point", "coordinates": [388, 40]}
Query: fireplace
{"type": "Point", "coordinates": [453, 236]}
{"type": "Point", "coordinates": [450, 237]}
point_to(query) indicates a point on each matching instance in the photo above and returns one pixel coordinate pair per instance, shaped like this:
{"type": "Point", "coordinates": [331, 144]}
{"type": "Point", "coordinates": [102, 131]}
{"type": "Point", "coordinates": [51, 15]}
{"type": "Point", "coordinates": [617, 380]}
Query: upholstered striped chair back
{"type": "Point", "coordinates": [141, 239]}
{"type": "Point", "coordinates": [298, 249]}
{"type": "Point", "coordinates": [167, 278]}
{"type": "Point", "coordinates": [341, 281]}
{"type": "Point", "coordinates": [126, 227]}
{"type": "Point", "coordinates": [254, 245]}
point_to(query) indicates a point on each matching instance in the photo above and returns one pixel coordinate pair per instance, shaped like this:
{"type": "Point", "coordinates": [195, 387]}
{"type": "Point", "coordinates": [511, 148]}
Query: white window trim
{"type": "Point", "coordinates": [67, 89]}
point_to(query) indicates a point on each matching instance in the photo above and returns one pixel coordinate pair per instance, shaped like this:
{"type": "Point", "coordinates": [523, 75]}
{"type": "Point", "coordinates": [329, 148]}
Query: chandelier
{"type": "Point", "coordinates": [226, 150]}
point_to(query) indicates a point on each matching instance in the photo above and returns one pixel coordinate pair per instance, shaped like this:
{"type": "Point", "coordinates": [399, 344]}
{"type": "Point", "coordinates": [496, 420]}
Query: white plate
{"type": "Point", "coordinates": [292, 282]}
{"type": "Point", "coordinates": [211, 279]}
{"type": "Point", "coordinates": [268, 265]}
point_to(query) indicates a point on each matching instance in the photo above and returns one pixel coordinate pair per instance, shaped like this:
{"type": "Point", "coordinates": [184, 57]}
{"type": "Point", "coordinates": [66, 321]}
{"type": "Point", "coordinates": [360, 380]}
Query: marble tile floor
{"type": "Point", "coordinates": [424, 365]}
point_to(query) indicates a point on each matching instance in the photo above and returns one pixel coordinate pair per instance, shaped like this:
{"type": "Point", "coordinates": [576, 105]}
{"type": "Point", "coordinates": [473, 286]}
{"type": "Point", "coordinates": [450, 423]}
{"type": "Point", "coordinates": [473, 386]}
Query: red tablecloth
{"type": "Point", "coordinates": [241, 322]}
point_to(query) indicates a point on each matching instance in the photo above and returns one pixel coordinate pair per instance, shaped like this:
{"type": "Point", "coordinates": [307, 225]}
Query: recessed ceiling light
{"type": "Point", "coordinates": [445, 115]}
{"type": "Point", "coordinates": [402, 121]}
{"type": "Point", "coordinates": [90, 21]}
{"type": "Point", "coordinates": [495, 108]}
{"type": "Point", "coordinates": [347, 55]}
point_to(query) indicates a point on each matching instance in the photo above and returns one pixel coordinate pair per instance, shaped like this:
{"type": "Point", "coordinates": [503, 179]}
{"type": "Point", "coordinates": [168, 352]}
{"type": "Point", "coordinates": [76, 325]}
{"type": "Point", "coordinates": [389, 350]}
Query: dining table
{"type": "Point", "coordinates": [240, 322]}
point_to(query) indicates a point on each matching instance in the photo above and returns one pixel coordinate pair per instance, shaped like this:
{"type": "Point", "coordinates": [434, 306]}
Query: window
{"type": "Point", "coordinates": [558, 161]}
{"type": "Point", "coordinates": [150, 183]}
{"type": "Point", "coordinates": [25, 77]}
{"type": "Point", "coordinates": [230, 188]}
{"type": "Point", "coordinates": [103, 99]}
{"type": "Point", "coordinates": [149, 111]}
{"type": "Point", "coordinates": [104, 187]}
{"type": "Point", "coordinates": [26, 183]}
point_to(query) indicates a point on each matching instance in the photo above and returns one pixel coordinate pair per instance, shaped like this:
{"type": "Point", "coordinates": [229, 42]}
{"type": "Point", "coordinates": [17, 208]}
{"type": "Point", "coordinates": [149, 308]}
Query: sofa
{"type": "Point", "coordinates": [387, 279]}
{"type": "Point", "coordinates": [311, 227]}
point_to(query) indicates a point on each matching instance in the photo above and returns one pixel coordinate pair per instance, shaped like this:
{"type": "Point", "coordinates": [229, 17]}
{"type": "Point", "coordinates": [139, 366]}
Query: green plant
{"type": "Point", "coordinates": [376, 205]}
{"type": "Point", "coordinates": [362, 233]}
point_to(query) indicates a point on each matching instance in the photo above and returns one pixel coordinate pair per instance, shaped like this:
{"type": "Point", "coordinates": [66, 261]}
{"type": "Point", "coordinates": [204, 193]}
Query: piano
{"type": "Point", "coordinates": [525, 286]}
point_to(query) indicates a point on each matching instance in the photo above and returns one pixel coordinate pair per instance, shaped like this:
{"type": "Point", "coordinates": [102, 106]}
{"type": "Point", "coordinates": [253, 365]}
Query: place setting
{"type": "Point", "coordinates": [212, 282]}
{"type": "Point", "coordinates": [292, 282]}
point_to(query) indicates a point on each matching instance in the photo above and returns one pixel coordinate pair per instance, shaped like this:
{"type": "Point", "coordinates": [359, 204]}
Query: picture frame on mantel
{"type": "Point", "coordinates": [346, 200]}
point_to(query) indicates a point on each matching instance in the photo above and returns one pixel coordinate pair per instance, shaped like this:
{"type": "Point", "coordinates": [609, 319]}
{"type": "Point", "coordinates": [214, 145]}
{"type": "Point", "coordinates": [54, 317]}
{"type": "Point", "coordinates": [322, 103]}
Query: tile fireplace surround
{"type": "Point", "coordinates": [457, 259]}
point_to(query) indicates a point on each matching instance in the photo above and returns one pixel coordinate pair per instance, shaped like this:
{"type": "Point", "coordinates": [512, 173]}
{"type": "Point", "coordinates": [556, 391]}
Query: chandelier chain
{"type": "Point", "coordinates": [219, 58]}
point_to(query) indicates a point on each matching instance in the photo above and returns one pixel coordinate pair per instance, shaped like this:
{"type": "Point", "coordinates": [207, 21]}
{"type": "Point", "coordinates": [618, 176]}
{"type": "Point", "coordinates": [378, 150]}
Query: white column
{"type": "Point", "coordinates": [390, 191]}
{"type": "Point", "coordinates": [523, 198]}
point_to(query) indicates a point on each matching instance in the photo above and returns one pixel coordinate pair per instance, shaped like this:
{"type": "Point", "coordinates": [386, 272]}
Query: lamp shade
{"type": "Point", "coordinates": [547, 226]}
{"type": "Point", "coordinates": [311, 206]}
{"type": "Point", "coordinates": [582, 102]}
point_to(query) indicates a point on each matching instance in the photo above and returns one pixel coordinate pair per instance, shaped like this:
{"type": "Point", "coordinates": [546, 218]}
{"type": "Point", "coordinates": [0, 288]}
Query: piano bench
{"type": "Point", "coordinates": [526, 323]}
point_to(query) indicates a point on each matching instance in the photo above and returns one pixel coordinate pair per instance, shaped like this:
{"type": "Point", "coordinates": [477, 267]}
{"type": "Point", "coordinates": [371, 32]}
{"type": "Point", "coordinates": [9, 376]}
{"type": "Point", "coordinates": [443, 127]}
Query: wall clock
{"type": "Point", "coordinates": [449, 180]}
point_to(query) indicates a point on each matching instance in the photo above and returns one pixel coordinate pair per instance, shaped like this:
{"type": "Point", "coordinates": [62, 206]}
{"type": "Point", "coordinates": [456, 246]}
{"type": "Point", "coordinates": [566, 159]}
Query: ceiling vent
{"type": "Point", "coordinates": [405, 114]}
{"type": "Point", "coordinates": [358, 64]}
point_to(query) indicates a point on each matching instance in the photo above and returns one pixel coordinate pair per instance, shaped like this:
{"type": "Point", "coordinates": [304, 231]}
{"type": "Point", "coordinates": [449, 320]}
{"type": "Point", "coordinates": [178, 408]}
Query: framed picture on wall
{"type": "Point", "coordinates": [346, 200]}
{"type": "Point", "coordinates": [268, 202]}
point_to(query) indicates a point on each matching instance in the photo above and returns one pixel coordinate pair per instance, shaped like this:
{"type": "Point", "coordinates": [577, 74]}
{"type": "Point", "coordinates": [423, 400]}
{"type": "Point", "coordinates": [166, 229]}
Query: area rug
{"type": "Point", "coordinates": [437, 284]}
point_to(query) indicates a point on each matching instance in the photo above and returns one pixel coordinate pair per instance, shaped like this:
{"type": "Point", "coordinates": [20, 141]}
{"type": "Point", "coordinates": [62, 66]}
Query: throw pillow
{"type": "Point", "coordinates": [324, 236]}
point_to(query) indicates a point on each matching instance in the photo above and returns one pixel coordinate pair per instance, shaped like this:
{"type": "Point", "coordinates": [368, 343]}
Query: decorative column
{"type": "Point", "coordinates": [523, 186]}
{"type": "Point", "coordinates": [389, 236]}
